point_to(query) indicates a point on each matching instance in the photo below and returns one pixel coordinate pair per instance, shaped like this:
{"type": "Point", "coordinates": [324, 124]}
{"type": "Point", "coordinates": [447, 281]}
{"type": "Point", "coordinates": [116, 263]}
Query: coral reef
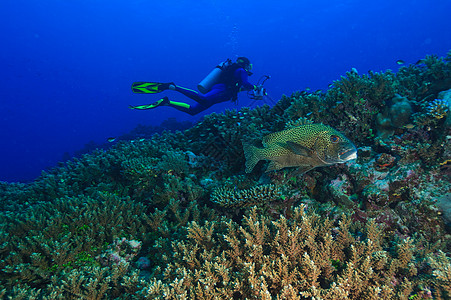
{"type": "Point", "coordinates": [173, 215]}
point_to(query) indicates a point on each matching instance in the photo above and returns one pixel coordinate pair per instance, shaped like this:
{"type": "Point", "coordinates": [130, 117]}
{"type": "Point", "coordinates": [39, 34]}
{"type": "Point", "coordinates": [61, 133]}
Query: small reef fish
{"type": "Point", "coordinates": [419, 62]}
{"type": "Point", "coordinates": [111, 139]}
{"type": "Point", "coordinates": [306, 147]}
{"type": "Point", "coordinates": [400, 62]}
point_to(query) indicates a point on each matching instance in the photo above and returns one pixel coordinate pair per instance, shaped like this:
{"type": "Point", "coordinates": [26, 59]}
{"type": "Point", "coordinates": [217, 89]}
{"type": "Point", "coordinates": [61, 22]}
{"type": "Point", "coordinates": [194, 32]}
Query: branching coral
{"type": "Point", "coordinates": [174, 162]}
{"type": "Point", "coordinates": [139, 166]}
{"type": "Point", "coordinates": [259, 195]}
{"type": "Point", "coordinates": [427, 77]}
{"type": "Point", "coordinates": [442, 271]}
{"type": "Point", "coordinates": [438, 108]}
{"type": "Point", "coordinates": [305, 255]}
{"type": "Point", "coordinates": [66, 234]}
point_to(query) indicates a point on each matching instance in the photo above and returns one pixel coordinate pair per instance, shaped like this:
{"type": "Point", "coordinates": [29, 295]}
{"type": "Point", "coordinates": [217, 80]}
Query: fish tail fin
{"type": "Point", "coordinates": [252, 155]}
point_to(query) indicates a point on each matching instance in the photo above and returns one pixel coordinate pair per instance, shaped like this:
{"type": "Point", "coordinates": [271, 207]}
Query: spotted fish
{"type": "Point", "coordinates": [306, 147]}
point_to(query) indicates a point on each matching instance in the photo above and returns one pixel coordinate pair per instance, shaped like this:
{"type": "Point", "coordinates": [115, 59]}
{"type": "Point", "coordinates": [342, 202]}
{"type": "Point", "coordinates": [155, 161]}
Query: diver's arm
{"type": "Point", "coordinates": [242, 76]}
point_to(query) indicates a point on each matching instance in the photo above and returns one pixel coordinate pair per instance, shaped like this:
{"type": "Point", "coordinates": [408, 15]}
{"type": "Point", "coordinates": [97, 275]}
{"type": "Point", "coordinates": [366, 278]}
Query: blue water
{"type": "Point", "coordinates": [67, 65]}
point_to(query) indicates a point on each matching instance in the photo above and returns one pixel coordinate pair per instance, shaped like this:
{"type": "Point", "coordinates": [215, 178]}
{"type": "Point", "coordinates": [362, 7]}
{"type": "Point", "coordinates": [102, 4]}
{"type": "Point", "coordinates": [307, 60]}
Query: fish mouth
{"type": "Point", "coordinates": [348, 154]}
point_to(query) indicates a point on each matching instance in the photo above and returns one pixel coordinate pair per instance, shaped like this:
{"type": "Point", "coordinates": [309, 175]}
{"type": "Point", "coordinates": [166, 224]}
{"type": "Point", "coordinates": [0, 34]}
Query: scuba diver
{"type": "Point", "coordinates": [222, 84]}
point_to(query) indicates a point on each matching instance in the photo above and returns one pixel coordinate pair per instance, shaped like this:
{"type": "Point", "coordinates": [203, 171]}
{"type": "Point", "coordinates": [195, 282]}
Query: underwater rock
{"type": "Point", "coordinates": [445, 95]}
{"type": "Point", "coordinates": [400, 111]}
{"type": "Point", "coordinates": [395, 116]}
{"type": "Point", "coordinates": [341, 190]}
{"type": "Point", "coordinates": [364, 154]}
{"type": "Point", "coordinates": [143, 263]}
{"type": "Point", "coordinates": [364, 174]}
{"type": "Point", "coordinates": [207, 183]}
{"type": "Point", "coordinates": [377, 193]}
{"type": "Point", "coordinates": [444, 204]}
{"type": "Point", "coordinates": [384, 127]}
{"type": "Point", "coordinates": [384, 161]}
{"type": "Point", "coordinates": [381, 181]}
{"type": "Point", "coordinates": [192, 158]}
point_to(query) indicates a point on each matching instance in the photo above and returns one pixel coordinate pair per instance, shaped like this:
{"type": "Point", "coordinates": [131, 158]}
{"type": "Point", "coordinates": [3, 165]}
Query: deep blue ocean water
{"type": "Point", "coordinates": [67, 65]}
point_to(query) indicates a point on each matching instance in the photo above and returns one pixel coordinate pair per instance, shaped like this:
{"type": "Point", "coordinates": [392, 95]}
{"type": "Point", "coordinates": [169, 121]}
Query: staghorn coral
{"type": "Point", "coordinates": [50, 241]}
{"type": "Point", "coordinates": [305, 256]}
{"type": "Point", "coordinates": [174, 187]}
{"type": "Point", "coordinates": [55, 246]}
{"type": "Point", "coordinates": [66, 234]}
{"type": "Point", "coordinates": [259, 195]}
{"type": "Point", "coordinates": [441, 265]}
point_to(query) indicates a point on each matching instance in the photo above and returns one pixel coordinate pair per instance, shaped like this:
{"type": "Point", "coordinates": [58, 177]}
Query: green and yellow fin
{"type": "Point", "coordinates": [163, 101]}
{"type": "Point", "coordinates": [141, 87]}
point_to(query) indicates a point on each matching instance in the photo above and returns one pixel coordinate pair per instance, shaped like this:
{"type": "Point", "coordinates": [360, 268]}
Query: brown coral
{"type": "Point", "coordinates": [303, 256]}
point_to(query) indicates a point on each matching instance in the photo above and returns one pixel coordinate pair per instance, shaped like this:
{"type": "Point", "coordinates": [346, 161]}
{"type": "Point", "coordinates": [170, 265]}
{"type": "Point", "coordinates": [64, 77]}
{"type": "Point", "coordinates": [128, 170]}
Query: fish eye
{"type": "Point", "coordinates": [334, 139]}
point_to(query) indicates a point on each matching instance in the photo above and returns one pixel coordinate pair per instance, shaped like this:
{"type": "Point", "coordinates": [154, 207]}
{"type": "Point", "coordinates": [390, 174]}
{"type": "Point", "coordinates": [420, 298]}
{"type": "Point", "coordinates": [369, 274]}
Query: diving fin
{"type": "Point", "coordinates": [141, 87]}
{"type": "Point", "coordinates": [163, 101]}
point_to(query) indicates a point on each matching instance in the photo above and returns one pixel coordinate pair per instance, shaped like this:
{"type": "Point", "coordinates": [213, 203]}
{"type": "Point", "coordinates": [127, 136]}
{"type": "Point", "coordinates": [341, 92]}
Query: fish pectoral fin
{"type": "Point", "coordinates": [273, 166]}
{"type": "Point", "coordinates": [303, 169]}
{"type": "Point", "coordinates": [298, 149]}
{"type": "Point", "coordinates": [299, 170]}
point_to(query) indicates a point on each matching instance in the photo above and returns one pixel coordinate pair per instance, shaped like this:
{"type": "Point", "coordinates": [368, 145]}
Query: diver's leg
{"type": "Point", "coordinates": [187, 108]}
{"type": "Point", "coordinates": [199, 98]}
{"type": "Point", "coordinates": [218, 94]}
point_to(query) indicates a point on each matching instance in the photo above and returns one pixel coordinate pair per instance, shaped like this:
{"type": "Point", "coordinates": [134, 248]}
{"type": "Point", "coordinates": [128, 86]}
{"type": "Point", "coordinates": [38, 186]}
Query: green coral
{"type": "Point", "coordinates": [259, 195]}
{"type": "Point", "coordinates": [174, 162]}
{"type": "Point", "coordinates": [427, 77]}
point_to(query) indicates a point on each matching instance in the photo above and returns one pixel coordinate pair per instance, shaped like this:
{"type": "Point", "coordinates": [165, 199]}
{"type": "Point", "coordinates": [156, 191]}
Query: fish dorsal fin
{"type": "Point", "coordinates": [299, 122]}
{"type": "Point", "coordinates": [298, 149]}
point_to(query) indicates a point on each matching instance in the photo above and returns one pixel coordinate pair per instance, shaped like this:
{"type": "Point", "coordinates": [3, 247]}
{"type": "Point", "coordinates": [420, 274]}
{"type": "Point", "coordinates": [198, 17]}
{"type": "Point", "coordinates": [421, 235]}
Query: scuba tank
{"type": "Point", "coordinates": [208, 82]}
